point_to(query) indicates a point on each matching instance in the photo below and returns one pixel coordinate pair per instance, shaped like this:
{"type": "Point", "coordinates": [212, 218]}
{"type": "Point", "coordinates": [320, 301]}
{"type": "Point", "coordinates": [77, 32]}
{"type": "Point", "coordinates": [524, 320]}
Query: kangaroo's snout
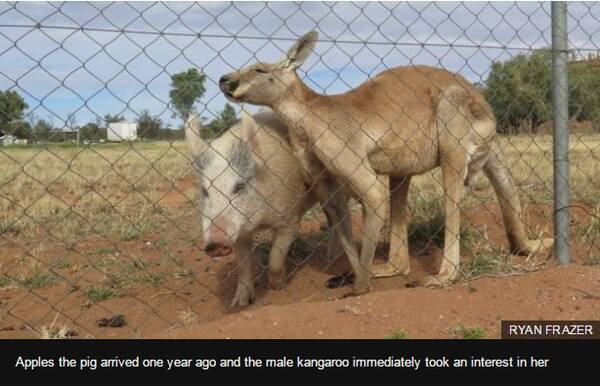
{"type": "Point", "coordinates": [224, 79]}
{"type": "Point", "coordinates": [227, 84]}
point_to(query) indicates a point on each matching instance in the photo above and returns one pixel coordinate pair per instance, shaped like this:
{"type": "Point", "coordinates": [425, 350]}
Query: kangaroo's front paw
{"type": "Point", "coordinates": [441, 279]}
{"type": "Point", "coordinates": [390, 270]}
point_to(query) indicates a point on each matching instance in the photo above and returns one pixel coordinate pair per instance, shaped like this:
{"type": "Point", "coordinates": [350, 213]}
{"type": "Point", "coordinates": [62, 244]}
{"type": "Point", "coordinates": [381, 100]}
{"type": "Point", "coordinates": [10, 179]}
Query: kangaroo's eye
{"type": "Point", "coordinates": [204, 192]}
{"type": "Point", "coordinates": [261, 71]}
{"type": "Point", "coordinates": [239, 187]}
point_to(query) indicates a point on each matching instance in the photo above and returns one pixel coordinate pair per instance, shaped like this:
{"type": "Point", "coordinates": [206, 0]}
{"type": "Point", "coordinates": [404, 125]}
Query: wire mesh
{"type": "Point", "coordinates": [97, 234]}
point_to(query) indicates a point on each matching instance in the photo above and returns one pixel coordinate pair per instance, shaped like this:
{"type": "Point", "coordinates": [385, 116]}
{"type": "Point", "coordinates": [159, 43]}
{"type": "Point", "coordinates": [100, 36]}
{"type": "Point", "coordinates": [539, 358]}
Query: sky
{"type": "Point", "coordinates": [88, 59]}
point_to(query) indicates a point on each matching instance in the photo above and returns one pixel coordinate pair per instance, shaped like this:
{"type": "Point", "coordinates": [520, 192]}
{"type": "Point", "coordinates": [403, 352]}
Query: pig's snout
{"type": "Point", "coordinates": [218, 249]}
{"type": "Point", "coordinates": [217, 240]}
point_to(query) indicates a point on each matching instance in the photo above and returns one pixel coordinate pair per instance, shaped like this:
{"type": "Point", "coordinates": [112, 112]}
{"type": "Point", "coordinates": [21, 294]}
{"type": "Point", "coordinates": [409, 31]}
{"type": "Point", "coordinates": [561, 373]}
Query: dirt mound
{"type": "Point", "coordinates": [557, 293]}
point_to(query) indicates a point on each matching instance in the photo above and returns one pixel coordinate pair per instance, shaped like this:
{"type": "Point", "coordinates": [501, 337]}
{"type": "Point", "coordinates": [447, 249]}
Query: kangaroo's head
{"type": "Point", "coordinates": [265, 83]}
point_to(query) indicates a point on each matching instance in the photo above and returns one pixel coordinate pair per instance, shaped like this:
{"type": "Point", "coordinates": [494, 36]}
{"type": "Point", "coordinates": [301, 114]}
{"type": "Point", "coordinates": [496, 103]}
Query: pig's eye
{"type": "Point", "coordinates": [204, 192]}
{"type": "Point", "coordinates": [239, 187]}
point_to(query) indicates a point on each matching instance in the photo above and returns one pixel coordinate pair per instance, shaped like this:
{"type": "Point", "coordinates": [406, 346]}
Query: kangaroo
{"type": "Point", "coordinates": [373, 139]}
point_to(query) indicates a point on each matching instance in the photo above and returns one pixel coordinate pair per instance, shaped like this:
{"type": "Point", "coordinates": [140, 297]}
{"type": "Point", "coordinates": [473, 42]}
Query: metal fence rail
{"type": "Point", "coordinates": [560, 107]}
{"type": "Point", "coordinates": [97, 234]}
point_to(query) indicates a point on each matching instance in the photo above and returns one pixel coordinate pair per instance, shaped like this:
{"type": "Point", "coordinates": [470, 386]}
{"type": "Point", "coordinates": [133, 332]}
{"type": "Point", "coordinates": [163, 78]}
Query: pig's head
{"type": "Point", "coordinates": [227, 169]}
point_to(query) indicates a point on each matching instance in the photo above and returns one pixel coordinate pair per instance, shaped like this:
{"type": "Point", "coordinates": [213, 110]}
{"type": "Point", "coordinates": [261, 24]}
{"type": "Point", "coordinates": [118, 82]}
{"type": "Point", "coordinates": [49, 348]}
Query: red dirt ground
{"type": "Point", "coordinates": [557, 293]}
{"type": "Point", "coordinates": [194, 303]}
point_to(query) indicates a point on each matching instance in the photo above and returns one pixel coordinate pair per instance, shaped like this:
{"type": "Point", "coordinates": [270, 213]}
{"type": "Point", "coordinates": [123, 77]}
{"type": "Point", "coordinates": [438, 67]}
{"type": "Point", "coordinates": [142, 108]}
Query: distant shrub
{"type": "Point", "coordinates": [225, 120]}
{"type": "Point", "coordinates": [520, 91]}
{"type": "Point", "coordinates": [92, 132]}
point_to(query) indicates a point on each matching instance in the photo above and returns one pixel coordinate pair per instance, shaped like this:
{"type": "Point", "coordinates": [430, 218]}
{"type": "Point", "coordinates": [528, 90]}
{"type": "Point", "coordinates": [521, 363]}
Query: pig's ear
{"type": "Point", "coordinates": [196, 144]}
{"type": "Point", "coordinates": [249, 133]}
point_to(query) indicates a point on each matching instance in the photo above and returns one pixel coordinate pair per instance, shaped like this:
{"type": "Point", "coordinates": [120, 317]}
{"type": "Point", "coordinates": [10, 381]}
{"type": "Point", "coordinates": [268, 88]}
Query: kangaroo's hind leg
{"type": "Point", "coordinates": [399, 259]}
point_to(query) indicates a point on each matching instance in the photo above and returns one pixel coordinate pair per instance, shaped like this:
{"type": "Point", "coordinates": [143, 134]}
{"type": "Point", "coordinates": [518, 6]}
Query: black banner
{"type": "Point", "coordinates": [297, 362]}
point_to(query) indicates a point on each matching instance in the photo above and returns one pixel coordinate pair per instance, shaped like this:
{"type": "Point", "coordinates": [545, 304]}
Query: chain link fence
{"type": "Point", "coordinates": [101, 227]}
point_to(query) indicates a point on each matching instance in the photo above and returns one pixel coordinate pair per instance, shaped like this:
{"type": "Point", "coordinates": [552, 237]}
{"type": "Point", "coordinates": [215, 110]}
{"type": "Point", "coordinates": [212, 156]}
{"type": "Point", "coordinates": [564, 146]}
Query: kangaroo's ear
{"type": "Point", "coordinates": [300, 51]}
{"type": "Point", "coordinates": [196, 144]}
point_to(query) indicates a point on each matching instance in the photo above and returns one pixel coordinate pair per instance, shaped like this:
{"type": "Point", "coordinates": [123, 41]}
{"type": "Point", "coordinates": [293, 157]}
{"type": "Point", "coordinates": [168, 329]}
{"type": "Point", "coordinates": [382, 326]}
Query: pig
{"type": "Point", "coordinates": [249, 180]}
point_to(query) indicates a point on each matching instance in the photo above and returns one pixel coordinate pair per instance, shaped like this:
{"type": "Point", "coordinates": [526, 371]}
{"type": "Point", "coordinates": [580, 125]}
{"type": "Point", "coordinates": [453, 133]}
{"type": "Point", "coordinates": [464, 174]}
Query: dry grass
{"type": "Point", "coordinates": [529, 159]}
{"type": "Point", "coordinates": [397, 335]}
{"type": "Point", "coordinates": [112, 190]}
{"type": "Point", "coordinates": [118, 190]}
{"type": "Point", "coordinates": [4, 280]}
{"type": "Point", "coordinates": [187, 317]}
{"type": "Point", "coordinates": [33, 274]}
{"type": "Point", "coordinates": [55, 332]}
{"type": "Point", "coordinates": [429, 220]}
{"type": "Point", "coordinates": [494, 261]}
{"type": "Point", "coordinates": [468, 333]}
{"type": "Point", "coordinates": [589, 232]}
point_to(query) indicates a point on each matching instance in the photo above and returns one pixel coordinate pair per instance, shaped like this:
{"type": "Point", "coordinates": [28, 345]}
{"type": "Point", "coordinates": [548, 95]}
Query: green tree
{"type": "Point", "coordinates": [225, 120]}
{"type": "Point", "coordinates": [171, 134]}
{"type": "Point", "coordinates": [228, 116]}
{"type": "Point", "coordinates": [149, 126]}
{"type": "Point", "coordinates": [584, 91]}
{"type": "Point", "coordinates": [19, 129]}
{"type": "Point", "coordinates": [12, 106]}
{"type": "Point", "coordinates": [109, 118]}
{"type": "Point", "coordinates": [92, 132]}
{"type": "Point", "coordinates": [520, 90]}
{"type": "Point", "coordinates": [187, 88]}
{"type": "Point", "coordinates": [42, 130]}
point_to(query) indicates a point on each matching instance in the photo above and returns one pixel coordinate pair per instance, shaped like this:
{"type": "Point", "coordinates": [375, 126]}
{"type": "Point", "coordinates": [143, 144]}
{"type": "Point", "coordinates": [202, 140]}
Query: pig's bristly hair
{"type": "Point", "coordinates": [202, 160]}
{"type": "Point", "coordinates": [238, 156]}
{"type": "Point", "coordinates": [240, 159]}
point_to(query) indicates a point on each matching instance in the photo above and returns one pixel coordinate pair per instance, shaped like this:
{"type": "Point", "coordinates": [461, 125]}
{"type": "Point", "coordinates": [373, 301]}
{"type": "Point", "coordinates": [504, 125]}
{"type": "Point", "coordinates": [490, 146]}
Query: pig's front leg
{"type": "Point", "coordinates": [245, 287]}
{"type": "Point", "coordinates": [279, 250]}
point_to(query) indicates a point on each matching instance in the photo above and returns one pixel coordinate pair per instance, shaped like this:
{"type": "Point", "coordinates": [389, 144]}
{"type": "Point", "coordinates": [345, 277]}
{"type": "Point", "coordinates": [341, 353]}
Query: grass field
{"type": "Point", "coordinates": [106, 222]}
{"type": "Point", "coordinates": [113, 190]}
{"type": "Point", "coordinates": [122, 190]}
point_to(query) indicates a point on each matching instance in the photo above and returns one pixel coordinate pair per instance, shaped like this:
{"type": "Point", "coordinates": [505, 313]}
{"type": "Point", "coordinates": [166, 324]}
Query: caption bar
{"type": "Point", "coordinates": [320, 364]}
{"type": "Point", "coordinates": [336, 362]}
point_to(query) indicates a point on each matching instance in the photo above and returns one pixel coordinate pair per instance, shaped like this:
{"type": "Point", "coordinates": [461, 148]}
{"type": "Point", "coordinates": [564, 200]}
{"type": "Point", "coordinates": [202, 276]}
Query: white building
{"type": "Point", "coordinates": [7, 139]}
{"type": "Point", "coordinates": [122, 131]}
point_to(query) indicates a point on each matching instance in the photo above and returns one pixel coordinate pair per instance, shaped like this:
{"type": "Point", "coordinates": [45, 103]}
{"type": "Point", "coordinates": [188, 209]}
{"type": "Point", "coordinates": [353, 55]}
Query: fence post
{"type": "Point", "coordinates": [560, 110]}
